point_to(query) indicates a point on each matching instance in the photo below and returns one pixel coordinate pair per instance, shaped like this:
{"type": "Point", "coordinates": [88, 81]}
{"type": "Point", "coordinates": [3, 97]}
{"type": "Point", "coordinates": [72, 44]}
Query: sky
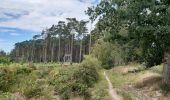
{"type": "Point", "coordinates": [21, 19]}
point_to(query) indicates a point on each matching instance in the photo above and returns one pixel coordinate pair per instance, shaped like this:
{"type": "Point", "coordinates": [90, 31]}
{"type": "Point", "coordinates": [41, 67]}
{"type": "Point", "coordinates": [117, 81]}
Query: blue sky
{"type": "Point", "coordinates": [10, 36]}
{"type": "Point", "coordinates": [21, 19]}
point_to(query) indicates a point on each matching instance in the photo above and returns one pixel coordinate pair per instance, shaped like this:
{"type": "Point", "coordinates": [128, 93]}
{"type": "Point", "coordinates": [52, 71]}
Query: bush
{"type": "Point", "coordinates": [42, 73]}
{"type": "Point", "coordinates": [4, 60]}
{"type": "Point", "coordinates": [32, 89]}
{"type": "Point", "coordinates": [107, 53]}
{"type": "Point", "coordinates": [28, 85]}
{"type": "Point", "coordinates": [75, 80]}
{"type": "Point", "coordinates": [23, 70]}
{"type": "Point", "coordinates": [91, 62]}
{"type": "Point", "coordinates": [7, 79]}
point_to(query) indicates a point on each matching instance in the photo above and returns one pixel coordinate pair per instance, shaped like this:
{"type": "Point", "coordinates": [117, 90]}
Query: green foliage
{"type": "Point", "coordinates": [75, 80]}
{"type": "Point", "coordinates": [91, 62]}
{"type": "Point", "coordinates": [125, 95]}
{"type": "Point", "coordinates": [141, 26]}
{"type": "Point", "coordinates": [5, 96]}
{"type": "Point", "coordinates": [23, 70]}
{"type": "Point", "coordinates": [29, 81]}
{"type": "Point", "coordinates": [107, 53]}
{"type": "Point", "coordinates": [100, 89]}
{"type": "Point", "coordinates": [157, 69]}
{"type": "Point", "coordinates": [7, 79]}
{"type": "Point", "coordinates": [32, 89]}
{"type": "Point", "coordinates": [4, 60]}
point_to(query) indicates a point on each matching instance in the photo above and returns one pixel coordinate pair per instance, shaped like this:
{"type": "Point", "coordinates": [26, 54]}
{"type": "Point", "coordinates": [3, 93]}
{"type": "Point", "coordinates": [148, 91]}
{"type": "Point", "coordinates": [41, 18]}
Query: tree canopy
{"type": "Point", "coordinates": [142, 26]}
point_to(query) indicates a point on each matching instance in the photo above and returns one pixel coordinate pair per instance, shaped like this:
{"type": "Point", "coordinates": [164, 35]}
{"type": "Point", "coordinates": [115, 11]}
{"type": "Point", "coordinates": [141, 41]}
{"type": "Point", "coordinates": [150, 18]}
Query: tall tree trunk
{"type": "Point", "coordinates": [45, 52]}
{"type": "Point", "coordinates": [81, 44]}
{"type": "Point", "coordinates": [90, 39]}
{"type": "Point", "coordinates": [52, 53]}
{"type": "Point", "coordinates": [166, 70]}
{"type": "Point", "coordinates": [72, 48]}
{"type": "Point", "coordinates": [32, 51]}
{"type": "Point", "coordinates": [59, 49]}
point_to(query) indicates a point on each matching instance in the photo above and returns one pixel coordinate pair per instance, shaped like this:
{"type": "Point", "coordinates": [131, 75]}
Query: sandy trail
{"type": "Point", "coordinates": [112, 93]}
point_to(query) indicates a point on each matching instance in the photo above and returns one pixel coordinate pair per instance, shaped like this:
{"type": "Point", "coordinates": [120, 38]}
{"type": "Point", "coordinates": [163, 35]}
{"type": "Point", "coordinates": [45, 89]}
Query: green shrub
{"type": "Point", "coordinates": [4, 60]}
{"type": "Point", "coordinates": [157, 69]}
{"type": "Point", "coordinates": [33, 89]}
{"type": "Point", "coordinates": [91, 62]}
{"type": "Point", "coordinates": [108, 54]}
{"type": "Point", "coordinates": [7, 79]}
{"type": "Point", "coordinates": [28, 85]}
{"type": "Point", "coordinates": [23, 70]}
{"type": "Point", "coordinates": [42, 73]}
{"type": "Point", "coordinates": [75, 80]}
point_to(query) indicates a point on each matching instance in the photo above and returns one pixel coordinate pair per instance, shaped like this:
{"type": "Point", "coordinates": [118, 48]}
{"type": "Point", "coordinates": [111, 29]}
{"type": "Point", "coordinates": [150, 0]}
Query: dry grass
{"type": "Point", "coordinates": [131, 68]}
{"type": "Point", "coordinates": [147, 79]}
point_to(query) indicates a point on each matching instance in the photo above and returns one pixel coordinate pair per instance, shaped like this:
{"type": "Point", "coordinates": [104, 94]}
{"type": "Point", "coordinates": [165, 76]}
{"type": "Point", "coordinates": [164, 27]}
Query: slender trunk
{"type": "Point", "coordinates": [28, 54]}
{"type": "Point", "coordinates": [59, 48]}
{"type": "Point", "coordinates": [32, 51]}
{"type": "Point", "coordinates": [90, 39]}
{"type": "Point", "coordinates": [81, 44]}
{"type": "Point", "coordinates": [72, 48]}
{"type": "Point", "coordinates": [52, 53]}
{"type": "Point", "coordinates": [45, 52]}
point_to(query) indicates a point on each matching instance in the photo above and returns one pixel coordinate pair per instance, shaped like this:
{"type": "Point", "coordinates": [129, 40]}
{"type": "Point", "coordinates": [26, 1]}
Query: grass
{"type": "Point", "coordinates": [125, 95]}
{"type": "Point", "coordinates": [5, 96]}
{"type": "Point", "coordinates": [121, 80]}
{"type": "Point", "coordinates": [157, 69]}
{"type": "Point", "coordinates": [100, 89]}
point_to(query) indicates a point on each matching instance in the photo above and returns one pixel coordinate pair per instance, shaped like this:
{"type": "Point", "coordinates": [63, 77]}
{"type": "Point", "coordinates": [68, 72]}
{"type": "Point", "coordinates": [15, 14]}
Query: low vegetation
{"type": "Point", "coordinates": [29, 80]}
{"type": "Point", "coordinates": [100, 89]}
{"type": "Point", "coordinates": [45, 81]}
{"type": "Point", "coordinates": [76, 79]}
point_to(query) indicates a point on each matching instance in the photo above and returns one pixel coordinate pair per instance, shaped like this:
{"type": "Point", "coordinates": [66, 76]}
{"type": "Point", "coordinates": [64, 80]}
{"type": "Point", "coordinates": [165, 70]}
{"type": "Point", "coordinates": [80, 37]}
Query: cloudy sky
{"type": "Point", "coordinates": [21, 19]}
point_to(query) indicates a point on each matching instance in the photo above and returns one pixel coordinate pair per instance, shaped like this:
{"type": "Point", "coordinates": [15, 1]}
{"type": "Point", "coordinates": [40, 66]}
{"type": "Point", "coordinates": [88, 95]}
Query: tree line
{"type": "Point", "coordinates": [66, 39]}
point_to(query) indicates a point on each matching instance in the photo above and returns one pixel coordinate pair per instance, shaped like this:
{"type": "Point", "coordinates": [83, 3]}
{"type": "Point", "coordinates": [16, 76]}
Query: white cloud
{"type": "Point", "coordinates": [43, 13]}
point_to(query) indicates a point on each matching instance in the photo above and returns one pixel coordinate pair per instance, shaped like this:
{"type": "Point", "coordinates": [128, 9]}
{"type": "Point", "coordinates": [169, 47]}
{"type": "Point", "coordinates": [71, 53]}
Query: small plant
{"type": "Point", "coordinates": [33, 90]}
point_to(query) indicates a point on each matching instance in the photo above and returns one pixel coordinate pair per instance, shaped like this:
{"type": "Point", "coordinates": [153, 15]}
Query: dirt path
{"type": "Point", "coordinates": [112, 93]}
